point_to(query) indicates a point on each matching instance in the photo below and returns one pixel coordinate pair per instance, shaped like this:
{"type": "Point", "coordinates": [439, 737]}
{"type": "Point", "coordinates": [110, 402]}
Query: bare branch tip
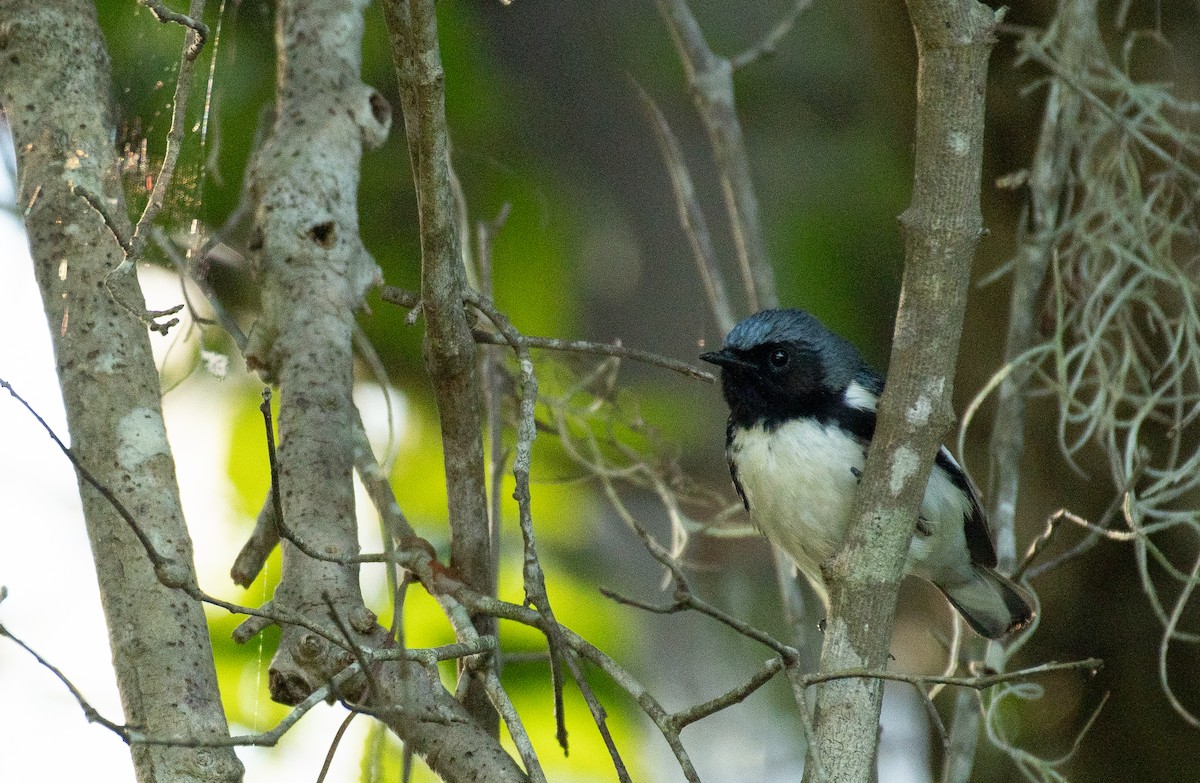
{"type": "Point", "coordinates": [198, 29]}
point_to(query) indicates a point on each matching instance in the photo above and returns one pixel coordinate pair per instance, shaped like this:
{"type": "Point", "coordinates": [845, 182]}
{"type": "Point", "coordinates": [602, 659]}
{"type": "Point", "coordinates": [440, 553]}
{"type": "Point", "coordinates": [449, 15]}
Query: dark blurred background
{"type": "Point", "coordinates": [544, 117]}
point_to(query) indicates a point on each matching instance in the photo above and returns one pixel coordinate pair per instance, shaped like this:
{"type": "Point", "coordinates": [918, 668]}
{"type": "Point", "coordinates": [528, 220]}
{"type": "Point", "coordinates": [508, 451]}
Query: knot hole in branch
{"type": "Point", "coordinates": [324, 234]}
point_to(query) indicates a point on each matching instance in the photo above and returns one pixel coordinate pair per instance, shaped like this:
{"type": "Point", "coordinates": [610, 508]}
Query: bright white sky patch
{"type": "Point", "coordinates": [45, 561]}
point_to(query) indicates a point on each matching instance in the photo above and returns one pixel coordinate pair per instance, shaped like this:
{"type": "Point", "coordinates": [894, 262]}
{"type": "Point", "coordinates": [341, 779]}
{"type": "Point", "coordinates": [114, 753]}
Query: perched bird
{"type": "Point", "coordinates": [801, 417]}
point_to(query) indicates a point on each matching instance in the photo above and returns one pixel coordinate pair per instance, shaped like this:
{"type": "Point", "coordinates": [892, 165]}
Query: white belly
{"type": "Point", "coordinates": [800, 482]}
{"type": "Point", "coordinates": [799, 485]}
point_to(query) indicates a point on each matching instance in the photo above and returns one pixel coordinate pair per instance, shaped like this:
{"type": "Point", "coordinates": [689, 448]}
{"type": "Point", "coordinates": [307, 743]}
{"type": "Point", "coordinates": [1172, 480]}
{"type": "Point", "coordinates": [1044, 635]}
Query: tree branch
{"type": "Point", "coordinates": [314, 271]}
{"type": "Point", "coordinates": [710, 78]}
{"type": "Point", "coordinates": [197, 30]}
{"type": "Point", "coordinates": [980, 683]}
{"type": "Point", "coordinates": [138, 735]}
{"type": "Point", "coordinates": [91, 713]}
{"type": "Point", "coordinates": [691, 216]}
{"type": "Point", "coordinates": [55, 89]}
{"type": "Point", "coordinates": [449, 348]}
{"type": "Point", "coordinates": [533, 577]}
{"type": "Point", "coordinates": [771, 40]}
{"type": "Point", "coordinates": [170, 572]}
{"type": "Point", "coordinates": [941, 228]}
{"type": "Point", "coordinates": [193, 41]}
{"type": "Point", "coordinates": [399, 296]}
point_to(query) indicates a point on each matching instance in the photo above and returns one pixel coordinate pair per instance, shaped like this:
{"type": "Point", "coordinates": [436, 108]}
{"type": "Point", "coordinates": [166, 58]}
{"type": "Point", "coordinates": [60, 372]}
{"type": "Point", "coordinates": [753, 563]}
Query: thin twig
{"type": "Point", "coordinates": [333, 745]}
{"type": "Point", "coordinates": [926, 697]}
{"type": "Point", "coordinates": [223, 316]}
{"type": "Point", "coordinates": [286, 531]}
{"type": "Point", "coordinates": [600, 717]}
{"type": "Point", "coordinates": [273, 463]}
{"type": "Point", "coordinates": [736, 696]}
{"type": "Point", "coordinates": [199, 30]}
{"type": "Point", "coordinates": [976, 683]}
{"type": "Point", "coordinates": [516, 728]}
{"type": "Point", "coordinates": [91, 713]}
{"type": "Point", "coordinates": [395, 525]}
{"type": "Point", "coordinates": [403, 298]}
{"type": "Point", "coordinates": [534, 578]}
{"type": "Point", "coordinates": [691, 216]}
{"type": "Point", "coordinates": [711, 80]}
{"type": "Point", "coordinates": [267, 738]}
{"type": "Point", "coordinates": [493, 392]}
{"type": "Point", "coordinates": [134, 735]}
{"type": "Point", "coordinates": [771, 40]}
{"type": "Point", "coordinates": [684, 597]}
{"type": "Point", "coordinates": [169, 572]}
{"type": "Point", "coordinates": [603, 349]}
{"type": "Point", "coordinates": [483, 604]}
{"type": "Point", "coordinates": [350, 644]}
{"type": "Point", "coordinates": [193, 41]}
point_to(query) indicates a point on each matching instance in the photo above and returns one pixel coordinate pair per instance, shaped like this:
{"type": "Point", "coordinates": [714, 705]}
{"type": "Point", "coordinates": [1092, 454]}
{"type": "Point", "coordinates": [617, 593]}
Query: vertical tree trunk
{"type": "Point", "coordinates": [54, 84]}
{"type": "Point", "coordinates": [942, 226]}
{"type": "Point", "coordinates": [1079, 37]}
{"type": "Point", "coordinates": [450, 353]}
{"type": "Point", "coordinates": [314, 272]}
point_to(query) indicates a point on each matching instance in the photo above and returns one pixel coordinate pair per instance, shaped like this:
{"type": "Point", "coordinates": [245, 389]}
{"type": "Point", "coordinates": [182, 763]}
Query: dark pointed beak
{"type": "Point", "coordinates": [726, 358]}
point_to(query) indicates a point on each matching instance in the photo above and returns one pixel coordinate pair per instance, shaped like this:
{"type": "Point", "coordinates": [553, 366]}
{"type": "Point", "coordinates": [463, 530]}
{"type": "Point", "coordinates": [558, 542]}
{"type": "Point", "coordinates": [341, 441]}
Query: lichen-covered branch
{"type": "Point", "coordinates": [54, 88]}
{"type": "Point", "coordinates": [450, 353]}
{"type": "Point", "coordinates": [314, 272]}
{"type": "Point", "coordinates": [941, 228]}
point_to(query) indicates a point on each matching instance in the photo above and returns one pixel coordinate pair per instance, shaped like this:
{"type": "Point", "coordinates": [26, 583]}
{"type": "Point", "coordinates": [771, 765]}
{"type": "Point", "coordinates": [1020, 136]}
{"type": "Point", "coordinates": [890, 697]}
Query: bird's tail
{"type": "Point", "coordinates": [992, 604]}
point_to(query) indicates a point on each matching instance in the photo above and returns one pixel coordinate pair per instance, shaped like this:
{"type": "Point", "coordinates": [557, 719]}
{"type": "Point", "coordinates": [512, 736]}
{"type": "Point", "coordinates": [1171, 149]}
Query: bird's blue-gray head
{"type": "Point", "coordinates": [777, 364]}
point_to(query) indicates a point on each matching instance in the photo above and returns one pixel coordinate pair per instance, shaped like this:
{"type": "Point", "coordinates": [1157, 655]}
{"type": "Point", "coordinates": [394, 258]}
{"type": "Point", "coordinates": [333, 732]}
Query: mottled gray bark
{"type": "Point", "coordinates": [54, 85]}
{"type": "Point", "coordinates": [450, 354]}
{"type": "Point", "coordinates": [314, 272]}
{"type": "Point", "coordinates": [941, 228]}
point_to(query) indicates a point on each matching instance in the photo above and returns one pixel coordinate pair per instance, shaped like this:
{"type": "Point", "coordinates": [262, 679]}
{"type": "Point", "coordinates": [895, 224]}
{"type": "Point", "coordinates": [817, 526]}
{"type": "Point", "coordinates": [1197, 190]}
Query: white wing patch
{"type": "Point", "coordinates": [858, 396]}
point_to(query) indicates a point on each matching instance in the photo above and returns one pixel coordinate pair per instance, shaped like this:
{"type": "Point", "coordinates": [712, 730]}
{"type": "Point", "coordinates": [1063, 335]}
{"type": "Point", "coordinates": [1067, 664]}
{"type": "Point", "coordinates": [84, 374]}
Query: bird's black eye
{"type": "Point", "coordinates": [778, 358]}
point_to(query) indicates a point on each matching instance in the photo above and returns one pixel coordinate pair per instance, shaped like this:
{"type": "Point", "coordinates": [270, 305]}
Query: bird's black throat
{"type": "Point", "coordinates": [749, 407]}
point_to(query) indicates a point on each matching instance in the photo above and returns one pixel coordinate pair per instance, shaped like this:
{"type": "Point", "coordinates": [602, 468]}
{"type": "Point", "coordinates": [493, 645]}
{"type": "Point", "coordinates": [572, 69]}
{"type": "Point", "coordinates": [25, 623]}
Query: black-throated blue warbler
{"type": "Point", "coordinates": [801, 417]}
